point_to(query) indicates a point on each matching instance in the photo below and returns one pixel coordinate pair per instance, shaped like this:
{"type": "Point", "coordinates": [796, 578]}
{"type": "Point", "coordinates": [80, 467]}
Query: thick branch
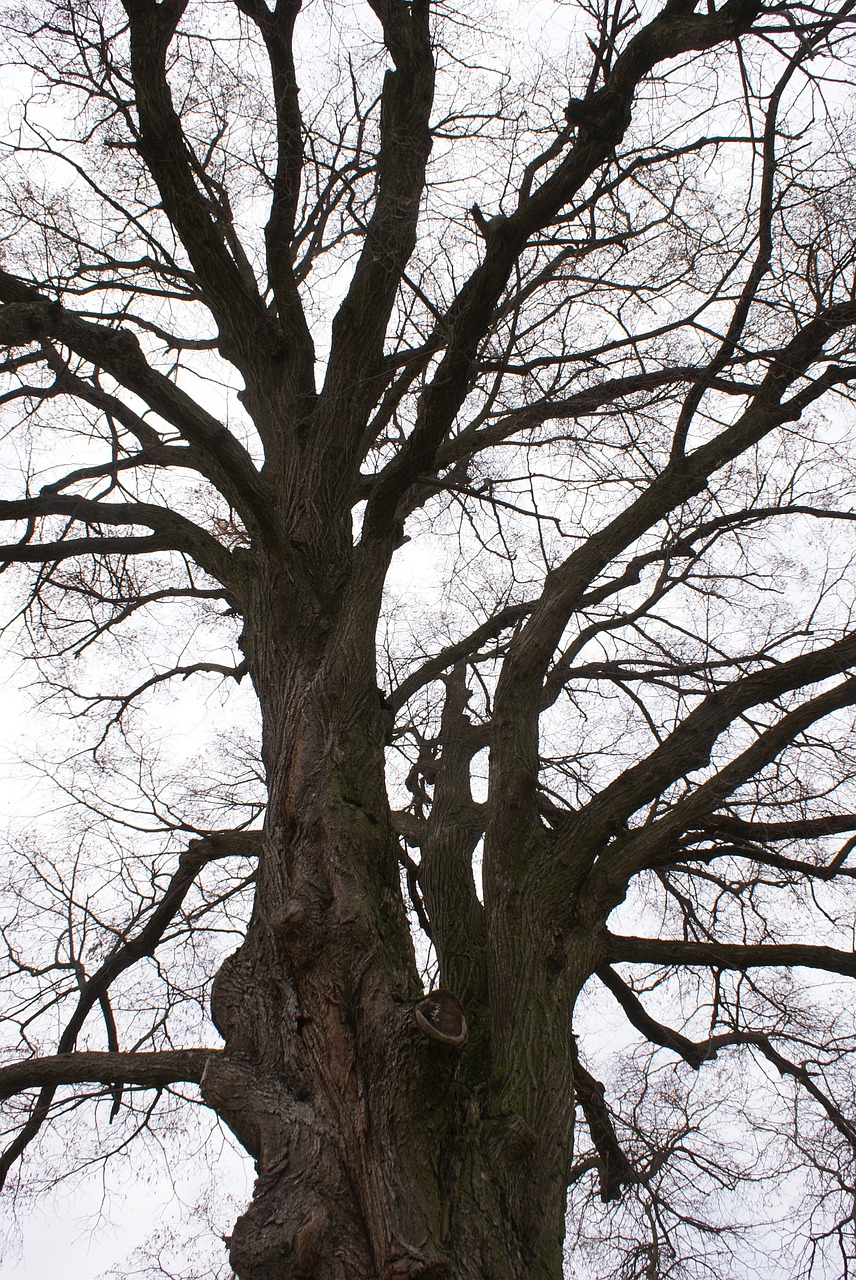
{"type": "Point", "coordinates": [454, 826]}
{"type": "Point", "coordinates": [277, 31]}
{"type": "Point", "coordinates": [28, 317]}
{"type": "Point", "coordinates": [771, 832]}
{"type": "Point", "coordinates": [359, 328]}
{"type": "Point", "coordinates": [233, 299]}
{"type": "Point", "coordinates": [689, 747]}
{"type": "Point", "coordinates": [148, 1070]}
{"type": "Point", "coordinates": [605, 119]}
{"type": "Point", "coordinates": [172, 531]}
{"type": "Point", "coordinates": [728, 955]}
{"type": "Point", "coordinates": [614, 1168]}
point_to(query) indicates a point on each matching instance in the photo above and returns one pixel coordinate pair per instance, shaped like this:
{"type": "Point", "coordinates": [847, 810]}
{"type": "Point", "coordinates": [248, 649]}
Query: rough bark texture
{"type": "Point", "coordinates": [380, 1152]}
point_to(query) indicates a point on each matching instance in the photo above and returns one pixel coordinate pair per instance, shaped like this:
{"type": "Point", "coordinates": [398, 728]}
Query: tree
{"type": "Point", "coordinates": [498, 414]}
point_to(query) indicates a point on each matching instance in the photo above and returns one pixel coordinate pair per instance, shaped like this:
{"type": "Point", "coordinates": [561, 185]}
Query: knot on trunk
{"type": "Point", "coordinates": [301, 923]}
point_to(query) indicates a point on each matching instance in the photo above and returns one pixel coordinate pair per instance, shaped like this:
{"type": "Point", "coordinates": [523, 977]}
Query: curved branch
{"type": "Point", "coordinates": [601, 124]}
{"type": "Point", "coordinates": [695, 1053]}
{"type": "Point", "coordinates": [514, 763]}
{"type": "Point", "coordinates": [689, 747]}
{"type": "Point", "coordinates": [28, 317]}
{"type": "Point", "coordinates": [698, 1052]}
{"type": "Point", "coordinates": [765, 858]}
{"type": "Point", "coordinates": [172, 532]}
{"type": "Point", "coordinates": [126, 953]}
{"type": "Point", "coordinates": [682, 479]}
{"type": "Point", "coordinates": [232, 296]}
{"type": "Point", "coordinates": [432, 668]}
{"type": "Point", "coordinates": [123, 701]}
{"type": "Point", "coordinates": [579, 404]}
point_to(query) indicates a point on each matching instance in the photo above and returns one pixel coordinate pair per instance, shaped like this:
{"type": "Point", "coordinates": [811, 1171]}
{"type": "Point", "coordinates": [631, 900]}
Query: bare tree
{"type": "Point", "coordinates": [489, 415]}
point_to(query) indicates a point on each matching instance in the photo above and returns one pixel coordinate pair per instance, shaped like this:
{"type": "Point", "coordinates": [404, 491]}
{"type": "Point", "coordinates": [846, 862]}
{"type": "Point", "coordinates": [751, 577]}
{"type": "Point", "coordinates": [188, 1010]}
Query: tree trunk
{"type": "Point", "coordinates": [379, 1151]}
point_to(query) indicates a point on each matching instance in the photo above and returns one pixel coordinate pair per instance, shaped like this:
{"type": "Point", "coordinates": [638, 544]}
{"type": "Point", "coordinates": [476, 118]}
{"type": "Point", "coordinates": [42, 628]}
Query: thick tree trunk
{"type": "Point", "coordinates": [379, 1151]}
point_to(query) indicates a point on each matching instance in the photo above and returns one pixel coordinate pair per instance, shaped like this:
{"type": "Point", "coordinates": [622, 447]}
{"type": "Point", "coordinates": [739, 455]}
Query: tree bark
{"type": "Point", "coordinates": [379, 1151]}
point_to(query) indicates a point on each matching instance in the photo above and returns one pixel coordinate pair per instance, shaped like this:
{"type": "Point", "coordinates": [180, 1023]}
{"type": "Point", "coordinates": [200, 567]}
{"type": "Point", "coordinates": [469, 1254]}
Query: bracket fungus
{"type": "Point", "coordinates": [439, 1016]}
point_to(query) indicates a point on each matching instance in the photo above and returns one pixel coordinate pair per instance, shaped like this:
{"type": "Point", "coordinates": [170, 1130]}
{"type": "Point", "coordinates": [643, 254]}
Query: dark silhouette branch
{"type": "Point", "coordinates": [696, 1053]}
{"type": "Point", "coordinates": [728, 955]}
{"type": "Point", "coordinates": [615, 1170]}
{"type": "Point", "coordinates": [199, 220]}
{"type": "Point", "coordinates": [28, 316]}
{"type": "Point", "coordinates": [654, 843]}
{"type": "Point", "coordinates": [125, 953]}
{"type": "Point", "coordinates": [172, 530]}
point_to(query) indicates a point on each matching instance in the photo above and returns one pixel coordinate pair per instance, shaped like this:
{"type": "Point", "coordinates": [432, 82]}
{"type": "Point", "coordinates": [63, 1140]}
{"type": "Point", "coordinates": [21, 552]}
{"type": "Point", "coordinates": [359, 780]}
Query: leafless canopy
{"type": "Point", "coordinates": [458, 420]}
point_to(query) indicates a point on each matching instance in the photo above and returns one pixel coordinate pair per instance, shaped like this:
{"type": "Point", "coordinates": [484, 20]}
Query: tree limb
{"type": "Point", "coordinates": [172, 531]}
{"type": "Point", "coordinates": [727, 955]}
{"type": "Point", "coordinates": [148, 1070]}
{"type": "Point", "coordinates": [28, 316]}
{"type": "Point", "coordinates": [233, 299]}
{"type": "Point", "coordinates": [126, 953]}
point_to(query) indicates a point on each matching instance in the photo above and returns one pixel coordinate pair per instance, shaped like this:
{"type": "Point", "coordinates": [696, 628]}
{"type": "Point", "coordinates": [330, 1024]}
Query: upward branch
{"type": "Point", "coordinates": [606, 117]}
{"type": "Point", "coordinates": [359, 328]}
{"type": "Point", "coordinates": [234, 301]}
{"type": "Point", "coordinates": [277, 31]}
{"type": "Point", "coordinates": [518, 699]}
